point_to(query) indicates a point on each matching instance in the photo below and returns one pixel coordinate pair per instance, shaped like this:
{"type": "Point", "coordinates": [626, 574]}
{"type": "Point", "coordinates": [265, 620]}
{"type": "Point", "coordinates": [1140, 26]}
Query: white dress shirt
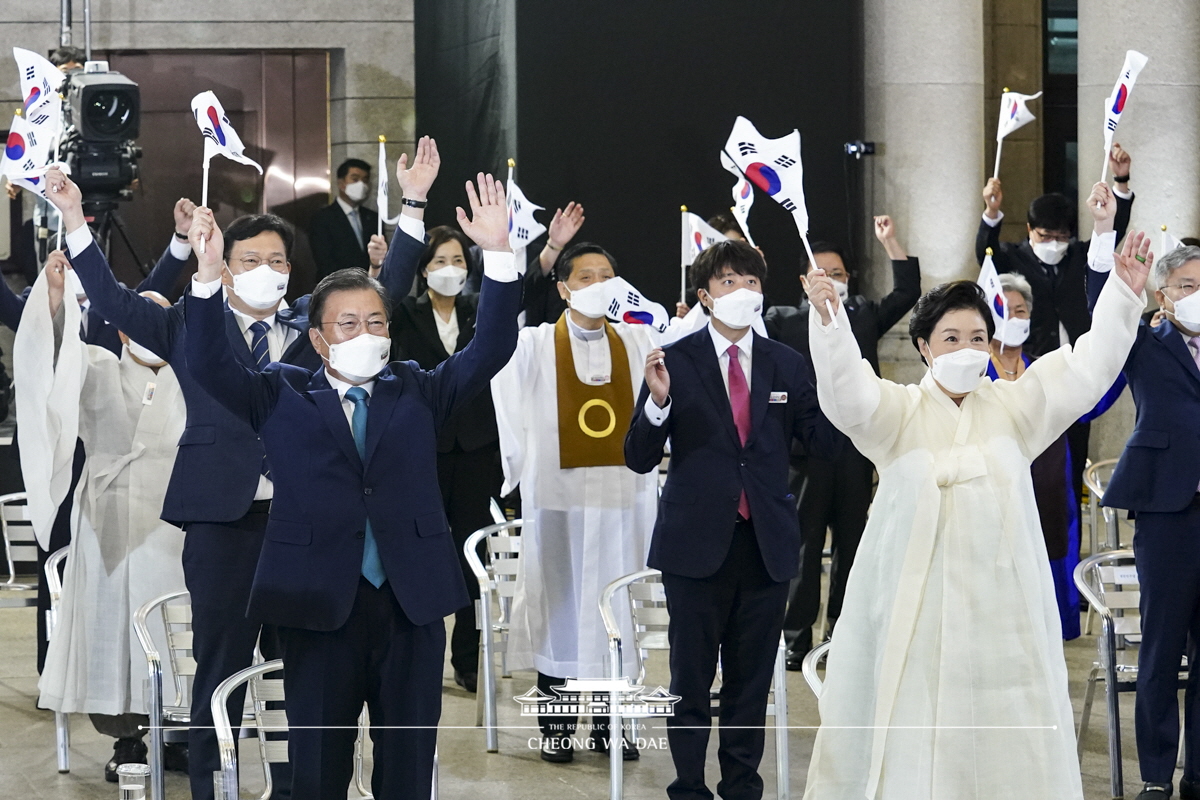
{"type": "Point", "coordinates": [348, 405]}
{"type": "Point", "coordinates": [590, 353]}
{"type": "Point", "coordinates": [447, 330]}
{"type": "Point", "coordinates": [657, 416]}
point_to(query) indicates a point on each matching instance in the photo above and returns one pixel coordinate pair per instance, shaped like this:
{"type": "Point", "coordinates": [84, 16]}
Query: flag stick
{"type": "Point", "coordinates": [683, 267]}
{"type": "Point", "coordinates": [1163, 242]}
{"type": "Point", "coordinates": [999, 147]}
{"type": "Point", "coordinates": [58, 243]}
{"type": "Point", "coordinates": [812, 260]}
{"type": "Point", "coordinates": [204, 196]}
{"type": "Point", "coordinates": [1104, 171]}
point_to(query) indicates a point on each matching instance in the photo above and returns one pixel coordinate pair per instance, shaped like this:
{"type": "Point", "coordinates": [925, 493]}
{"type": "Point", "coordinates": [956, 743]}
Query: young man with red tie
{"type": "Point", "coordinates": [726, 540]}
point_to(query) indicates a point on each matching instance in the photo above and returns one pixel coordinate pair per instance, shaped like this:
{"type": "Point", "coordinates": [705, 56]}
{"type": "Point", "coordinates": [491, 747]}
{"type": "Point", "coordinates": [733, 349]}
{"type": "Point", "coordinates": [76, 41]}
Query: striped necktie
{"type": "Point", "coordinates": [372, 564]}
{"type": "Point", "coordinates": [261, 352]}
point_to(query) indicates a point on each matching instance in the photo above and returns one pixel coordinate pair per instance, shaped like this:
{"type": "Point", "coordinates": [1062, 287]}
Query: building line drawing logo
{"type": "Point", "coordinates": [587, 696]}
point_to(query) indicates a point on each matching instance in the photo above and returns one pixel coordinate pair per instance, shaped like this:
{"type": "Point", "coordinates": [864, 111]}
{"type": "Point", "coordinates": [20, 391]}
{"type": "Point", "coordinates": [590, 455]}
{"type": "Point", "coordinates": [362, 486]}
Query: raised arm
{"type": "Point", "coordinates": [400, 266]}
{"type": "Point", "coordinates": [563, 227]}
{"type": "Point", "coordinates": [12, 305]}
{"type": "Point", "coordinates": [140, 318]}
{"type": "Point", "coordinates": [906, 277]}
{"type": "Point", "coordinates": [988, 234]}
{"type": "Point", "coordinates": [1119, 164]}
{"type": "Point", "coordinates": [170, 265]}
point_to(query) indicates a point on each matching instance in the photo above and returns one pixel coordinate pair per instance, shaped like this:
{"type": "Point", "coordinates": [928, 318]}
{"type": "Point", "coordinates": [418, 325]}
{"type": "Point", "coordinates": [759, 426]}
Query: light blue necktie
{"type": "Point", "coordinates": [356, 223]}
{"type": "Point", "coordinates": [372, 565]}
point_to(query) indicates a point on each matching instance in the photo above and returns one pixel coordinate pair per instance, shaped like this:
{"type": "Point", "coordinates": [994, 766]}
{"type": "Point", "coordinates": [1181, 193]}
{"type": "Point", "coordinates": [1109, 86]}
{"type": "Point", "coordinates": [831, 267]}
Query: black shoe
{"type": "Point", "coordinates": [467, 680]}
{"type": "Point", "coordinates": [598, 741]}
{"type": "Point", "coordinates": [125, 751]}
{"type": "Point", "coordinates": [794, 661]}
{"type": "Point", "coordinates": [175, 757]}
{"type": "Point", "coordinates": [1155, 791]}
{"type": "Point", "coordinates": [556, 750]}
{"type": "Point", "coordinates": [1189, 790]}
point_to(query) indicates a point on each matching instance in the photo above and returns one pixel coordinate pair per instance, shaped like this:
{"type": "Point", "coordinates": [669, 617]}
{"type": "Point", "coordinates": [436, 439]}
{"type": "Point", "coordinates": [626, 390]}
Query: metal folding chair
{"type": "Point", "coordinates": [648, 610]}
{"type": "Point", "coordinates": [1110, 583]}
{"type": "Point", "coordinates": [176, 615]}
{"type": "Point", "coordinates": [497, 581]}
{"type": "Point", "coordinates": [1096, 477]}
{"type": "Point", "coordinates": [62, 722]}
{"type": "Point", "coordinates": [20, 547]}
{"type": "Point", "coordinates": [812, 663]}
{"type": "Point", "coordinates": [261, 691]}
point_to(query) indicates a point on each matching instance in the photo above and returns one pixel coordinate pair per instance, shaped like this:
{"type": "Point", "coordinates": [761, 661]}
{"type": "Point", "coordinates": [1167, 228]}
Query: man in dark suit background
{"type": "Point", "coordinates": [358, 567]}
{"type": "Point", "coordinates": [726, 538]}
{"type": "Point", "coordinates": [221, 485]}
{"type": "Point", "coordinates": [835, 495]}
{"type": "Point", "coordinates": [1158, 480]}
{"type": "Point", "coordinates": [340, 232]}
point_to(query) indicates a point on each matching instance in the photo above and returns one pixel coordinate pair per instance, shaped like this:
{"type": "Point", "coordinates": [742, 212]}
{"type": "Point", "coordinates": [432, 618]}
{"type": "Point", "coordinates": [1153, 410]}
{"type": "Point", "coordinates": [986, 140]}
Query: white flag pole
{"type": "Point", "coordinates": [204, 193]}
{"type": "Point", "coordinates": [812, 260]}
{"type": "Point", "coordinates": [53, 160]}
{"type": "Point", "coordinates": [683, 268]}
{"type": "Point", "coordinates": [1104, 172]}
{"type": "Point", "coordinates": [999, 147]}
{"type": "Point", "coordinates": [1163, 242]}
{"type": "Point", "coordinates": [383, 212]}
{"type": "Point", "coordinates": [58, 243]}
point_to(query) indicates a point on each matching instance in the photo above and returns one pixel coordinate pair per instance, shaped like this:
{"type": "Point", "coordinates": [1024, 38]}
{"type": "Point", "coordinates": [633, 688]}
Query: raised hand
{"type": "Point", "coordinates": [56, 278]}
{"type": "Point", "coordinates": [184, 209]}
{"type": "Point", "coordinates": [1119, 161]}
{"type": "Point", "coordinates": [1134, 262]}
{"type": "Point", "coordinates": [1103, 205]}
{"type": "Point", "coordinates": [416, 180]}
{"type": "Point", "coordinates": [488, 224]}
{"type": "Point", "coordinates": [377, 250]}
{"type": "Point", "coordinates": [885, 232]}
{"type": "Point", "coordinates": [993, 196]}
{"type": "Point", "coordinates": [211, 256]}
{"type": "Point", "coordinates": [681, 310]}
{"type": "Point", "coordinates": [64, 195]}
{"type": "Point", "coordinates": [658, 380]}
{"type": "Point", "coordinates": [565, 225]}
{"type": "Point", "coordinates": [820, 290]}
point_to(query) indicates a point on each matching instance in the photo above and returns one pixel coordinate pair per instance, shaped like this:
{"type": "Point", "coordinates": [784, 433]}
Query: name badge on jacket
{"type": "Point", "coordinates": [778, 397]}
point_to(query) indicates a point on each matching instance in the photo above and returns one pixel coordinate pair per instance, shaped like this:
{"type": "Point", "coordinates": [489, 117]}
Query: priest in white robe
{"type": "Point", "coordinates": [129, 413]}
{"type": "Point", "coordinates": [946, 676]}
{"type": "Point", "coordinates": [563, 405]}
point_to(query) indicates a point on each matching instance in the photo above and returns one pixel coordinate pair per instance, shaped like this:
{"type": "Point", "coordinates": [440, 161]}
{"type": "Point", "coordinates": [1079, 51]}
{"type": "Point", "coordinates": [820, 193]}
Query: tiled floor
{"type": "Point", "coordinates": [27, 766]}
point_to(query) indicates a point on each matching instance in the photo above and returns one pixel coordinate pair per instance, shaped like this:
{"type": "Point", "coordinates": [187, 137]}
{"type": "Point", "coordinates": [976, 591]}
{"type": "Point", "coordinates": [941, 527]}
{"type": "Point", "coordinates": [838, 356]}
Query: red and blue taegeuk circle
{"type": "Point", "coordinates": [14, 148]}
{"type": "Point", "coordinates": [1122, 96]}
{"type": "Point", "coordinates": [215, 119]}
{"type": "Point", "coordinates": [764, 177]}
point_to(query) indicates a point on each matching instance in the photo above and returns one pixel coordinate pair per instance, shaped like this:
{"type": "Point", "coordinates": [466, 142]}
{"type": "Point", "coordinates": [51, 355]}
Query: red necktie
{"type": "Point", "coordinates": [739, 400]}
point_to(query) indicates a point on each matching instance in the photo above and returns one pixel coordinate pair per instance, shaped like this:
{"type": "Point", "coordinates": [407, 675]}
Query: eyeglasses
{"type": "Point", "coordinates": [1184, 288]}
{"type": "Point", "coordinates": [251, 262]}
{"type": "Point", "coordinates": [1048, 236]}
{"type": "Point", "coordinates": [352, 327]}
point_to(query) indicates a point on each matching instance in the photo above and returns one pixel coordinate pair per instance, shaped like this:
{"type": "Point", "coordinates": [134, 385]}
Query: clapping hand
{"type": "Point", "coordinates": [821, 292]}
{"type": "Point", "coordinates": [488, 224]}
{"type": "Point", "coordinates": [1134, 261]}
{"type": "Point", "coordinates": [416, 180]}
{"type": "Point", "coordinates": [565, 225]}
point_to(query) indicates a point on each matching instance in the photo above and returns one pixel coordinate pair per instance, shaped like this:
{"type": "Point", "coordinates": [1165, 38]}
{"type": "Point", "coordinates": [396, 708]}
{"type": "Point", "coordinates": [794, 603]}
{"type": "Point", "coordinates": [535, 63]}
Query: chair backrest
{"type": "Point", "coordinates": [20, 544]}
{"type": "Point", "coordinates": [175, 611]}
{"type": "Point", "coordinates": [1109, 581]}
{"type": "Point", "coordinates": [647, 610]}
{"type": "Point", "coordinates": [812, 663]}
{"type": "Point", "coordinates": [1097, 475]}
{"type": "Point", "coordinates": [503, 544]}
{"type": "Point", "coordinates": [54, 585]}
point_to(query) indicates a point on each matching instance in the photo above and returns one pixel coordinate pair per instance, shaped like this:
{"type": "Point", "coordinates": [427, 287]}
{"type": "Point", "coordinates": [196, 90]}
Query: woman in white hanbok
{"type": "Point", "coordinates": [946, 677]}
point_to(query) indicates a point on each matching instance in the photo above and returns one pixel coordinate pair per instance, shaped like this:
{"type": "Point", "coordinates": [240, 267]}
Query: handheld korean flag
{"type": "Point", "coordinates": [220, 139]}
{"type": "Point", "coordinates": [40, 83]}
{"type": "Point", "coordinates": [523, 228]}
{"type": "Point", "coordinates": [627, 304]}
{"type": "Point", "coordinates": [381, 193]}
{"type": "Point", "coordinates": [989, 281]}
{"type": "Point", "coordinates": [743, 197]}
{"type": "Point", "coordinates": [26, 153]}
{"type": "Point", "coordinates": [697, 236]}
{"type": "Point", "coordinates": [1014, 114]}
{"type": "Point", "coordinates": [1169, 243]}
{"type": "Point", "coordinates": [1114, 106]}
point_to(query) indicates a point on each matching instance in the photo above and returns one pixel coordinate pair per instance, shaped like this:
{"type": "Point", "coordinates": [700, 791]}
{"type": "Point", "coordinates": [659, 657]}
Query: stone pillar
{"type": "Point", "coordinates": [923, 96]}
{"type": "Point", "coordinates": [1158, 128]}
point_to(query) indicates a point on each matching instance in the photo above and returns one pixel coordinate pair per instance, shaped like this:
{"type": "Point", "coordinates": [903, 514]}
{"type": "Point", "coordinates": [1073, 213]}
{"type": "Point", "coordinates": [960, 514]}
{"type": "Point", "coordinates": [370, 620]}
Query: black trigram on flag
{"type": "Point", "coordinates": [632, 299]}
{"type": "Point", "coordinates": [39, 119]}
{"type": "Point", "coordinates": [614, 308]}
{"type": "Point", "coordinates": [31, 139]}
{"type": "Point", "coordinates": [522, 233]}
{"type": "Point", "coordinates": [29, 73]}
{"type": "Point", "coordinates": [788, 204]}
{"type": "Point", "coordinates": [516, 206]}
{"type": "Point", "coordinates": [785, 161]}
{"type": "Point", "coordinates": [746, 148]}
{"type": "Point", "coordinates": [28, 164]}
{"type": "Point", "coordinates": [1111, 124]}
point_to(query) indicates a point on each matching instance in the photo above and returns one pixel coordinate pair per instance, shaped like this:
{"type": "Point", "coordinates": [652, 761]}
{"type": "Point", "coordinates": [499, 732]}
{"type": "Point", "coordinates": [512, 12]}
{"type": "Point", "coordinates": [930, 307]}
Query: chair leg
{"type": "Point", "coordinates": [487, 675]}
{"type": "Point", "coordinates": [62, 740]}
{"type": "Point", "coordinates": [1086, 714]}
{"type": "Point", "coordinates": [1113, 697]}
{"type": "Point", "coordinates": [1179, 757]}
{"type": "Point", "coordinates": [433, 792]}
{"type": "Point", "coordinates": [782, 770]}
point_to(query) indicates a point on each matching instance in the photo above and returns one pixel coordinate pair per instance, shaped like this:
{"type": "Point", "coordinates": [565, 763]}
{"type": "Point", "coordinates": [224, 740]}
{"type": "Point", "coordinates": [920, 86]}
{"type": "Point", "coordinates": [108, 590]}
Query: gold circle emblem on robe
{"type": "Point", "coordinates": [590, 431]}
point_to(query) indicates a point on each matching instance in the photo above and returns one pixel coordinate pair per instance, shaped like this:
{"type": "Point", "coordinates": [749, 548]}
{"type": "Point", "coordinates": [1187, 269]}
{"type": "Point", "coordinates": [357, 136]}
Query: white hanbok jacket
{"type": "Point", "coordinates": [946, 677]}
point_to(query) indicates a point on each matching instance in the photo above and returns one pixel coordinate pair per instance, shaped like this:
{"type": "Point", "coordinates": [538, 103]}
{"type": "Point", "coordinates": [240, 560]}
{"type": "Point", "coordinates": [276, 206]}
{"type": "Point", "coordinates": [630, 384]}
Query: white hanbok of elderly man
{"type": "Point", "coordinates": [130, 417]}
{"type": "Point", "coordinates": [563, 405]}
{"type": "Point", "coordinates": [946, 676]}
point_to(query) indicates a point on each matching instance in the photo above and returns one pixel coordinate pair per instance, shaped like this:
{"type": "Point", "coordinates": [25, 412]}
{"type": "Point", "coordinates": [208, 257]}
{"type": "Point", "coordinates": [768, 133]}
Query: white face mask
{"type": "Point", "coordinates": [739, 308]}
{"type": "Point", "coordinates": [1013, 332]}
{"type": "Point", "coordinates": [1187, 311]}
{"type": "Point", "coordinates": [261, 287]}
{"type": "Point", "coordinates": [447, 281]}
{"type": "Point", "coordinates": [961, 371]}
{"type": "Point", "coordinates": [843, 289]}
{"type": "Point", "coordinates": [144, 354]}
{"type": "Point", "coordinates": [360, 359]}
{"type": "Point", "coordinates": [590, 301]}
{"type": "Point", "coordinates": [1049, 252]}
{"type": "Point", "coordinates": [356, 191]}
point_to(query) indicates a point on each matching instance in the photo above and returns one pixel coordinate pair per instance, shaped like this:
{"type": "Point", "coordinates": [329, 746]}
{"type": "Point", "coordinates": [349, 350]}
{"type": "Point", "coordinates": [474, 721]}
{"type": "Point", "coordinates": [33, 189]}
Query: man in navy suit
{"type": "Point", "coordinates": [1158, 480]}
{"type": "Point", "coordinates": [221, 487]}
{"type": "Point", "coordinates": [359, 566]}
{"type": "Point", "coordinates": [727, 539]}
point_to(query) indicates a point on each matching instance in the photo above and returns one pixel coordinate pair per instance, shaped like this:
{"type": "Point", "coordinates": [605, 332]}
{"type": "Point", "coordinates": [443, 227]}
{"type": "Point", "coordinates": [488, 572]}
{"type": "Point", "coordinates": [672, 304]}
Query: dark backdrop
{"type": "Point", "coordinates": [624, 106]}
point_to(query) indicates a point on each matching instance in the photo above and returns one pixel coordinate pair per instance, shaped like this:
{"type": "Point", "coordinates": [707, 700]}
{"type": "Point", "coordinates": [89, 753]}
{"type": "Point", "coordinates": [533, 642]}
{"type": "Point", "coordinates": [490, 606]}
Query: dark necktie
{"type": "Point", "coordinates": [261, 353]}
{"type": "Point", "coordinates": [739, 400]}
{"type": "Point", "coordinates": [372, 564]}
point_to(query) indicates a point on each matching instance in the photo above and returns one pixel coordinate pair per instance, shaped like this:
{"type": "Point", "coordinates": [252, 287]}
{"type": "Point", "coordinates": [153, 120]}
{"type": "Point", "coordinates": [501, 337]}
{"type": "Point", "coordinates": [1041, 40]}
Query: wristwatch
{"type": "Point", "coordinates": [413, 203]}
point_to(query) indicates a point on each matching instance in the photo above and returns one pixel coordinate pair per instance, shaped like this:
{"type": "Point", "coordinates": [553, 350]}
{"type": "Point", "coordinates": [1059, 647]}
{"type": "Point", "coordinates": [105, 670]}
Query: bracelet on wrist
{"type": "Point", "coordinates": [552, 245]}
{"type": "Point", "coordinates": [181, 236]}
{"type": "Point", "coordinates": [1120, 179]}
{"type": "Point", "coordinates": [413, 203]}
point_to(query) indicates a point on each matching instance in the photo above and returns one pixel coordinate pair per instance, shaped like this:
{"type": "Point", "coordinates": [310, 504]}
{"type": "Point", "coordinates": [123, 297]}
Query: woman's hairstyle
{"type": "Point", "coordinates": [437, 237]}
{"type": "Point", "coordinates": [1012, 282]}
{"type": "Point", "coordinates": [948, 297]}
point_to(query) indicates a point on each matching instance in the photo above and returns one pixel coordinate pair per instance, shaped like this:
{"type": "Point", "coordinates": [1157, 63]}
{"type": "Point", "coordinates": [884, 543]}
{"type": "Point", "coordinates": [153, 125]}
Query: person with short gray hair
{"type": "Point", "coordinates": [1158, 478]}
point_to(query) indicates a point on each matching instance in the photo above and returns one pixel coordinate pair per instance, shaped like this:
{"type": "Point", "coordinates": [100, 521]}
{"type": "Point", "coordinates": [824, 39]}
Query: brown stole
{"type": "Point", "coordinates": [592, 420]}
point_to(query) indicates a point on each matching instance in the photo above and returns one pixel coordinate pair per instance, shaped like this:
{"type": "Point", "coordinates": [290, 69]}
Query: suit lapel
{"type": "Point", "coordinates": [330, 405]}
{"type": "Point", "coordinates": [237, 340]}
{"type": "Point", "coordinates": [466, 321]}
{"type": "Point", "coordinates": [383, 402]}
{"type": "Point", "coordinates": [704, 356]}
{"type": "Point", "coordinates": [1177, 346]}
{"type": "Point", "coordinates": [762, 376]}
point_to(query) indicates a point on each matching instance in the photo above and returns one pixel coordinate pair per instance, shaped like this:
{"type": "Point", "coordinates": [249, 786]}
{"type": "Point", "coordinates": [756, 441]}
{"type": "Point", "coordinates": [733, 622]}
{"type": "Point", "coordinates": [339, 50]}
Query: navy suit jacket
{"type": "Point", "coordinates": [220, 456]}
{"type": "Point", "coordinates": [97, 331]}
{"type": "Point", "coordinates": [709, 467]}
{"type": "Point", "coordinates": [309, 569]}
{"type": "Point", "coordinates": [1160, 467]}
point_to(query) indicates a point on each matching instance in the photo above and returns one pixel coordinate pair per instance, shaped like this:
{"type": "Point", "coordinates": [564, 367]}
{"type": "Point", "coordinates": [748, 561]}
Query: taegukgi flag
{"type": "Point", "coordinates": [1014, 113]}
{"type": "Point", "coordinates": [26, 154]}
{"type": "Point", "coordinates": [989, 281]}
{"type": "Point", "coordinates": [698, 236]}
{"type": "Point", "coordinates": [219, 136]}
{"type": "Point", "coordinates": [743, 196]}
{"type": "Point", "coordinates": [40, 85]}
{"type": "Point", "coordinates": [627, 304]}
{"type": "Point", "coordinates": [523, 228]}
{"type": "Point", "coordinates": [1114, 106]}
{"type": "Point", "coordinates": [381, 193]}
{"type": "Point", "coordinates": [772, 165]}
